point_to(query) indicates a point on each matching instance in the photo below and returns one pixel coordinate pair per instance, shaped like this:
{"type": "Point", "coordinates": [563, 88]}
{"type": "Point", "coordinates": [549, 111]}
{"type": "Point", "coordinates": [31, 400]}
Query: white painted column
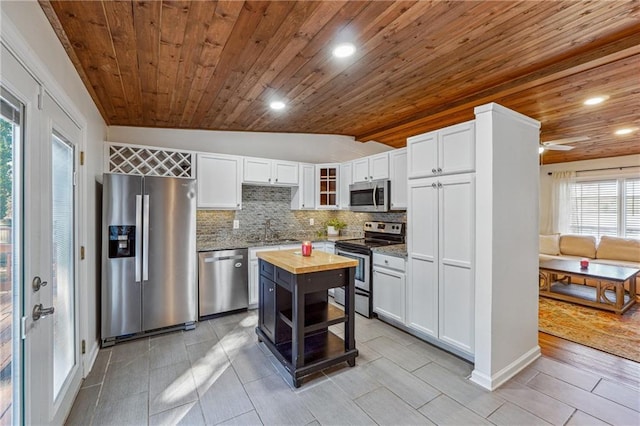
{"type": "Point", "coordinates": [506, 274]}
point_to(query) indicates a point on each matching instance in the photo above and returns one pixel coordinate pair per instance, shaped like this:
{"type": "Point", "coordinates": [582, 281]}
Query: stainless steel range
{"type": "Point", "coordinates": [376, 234]}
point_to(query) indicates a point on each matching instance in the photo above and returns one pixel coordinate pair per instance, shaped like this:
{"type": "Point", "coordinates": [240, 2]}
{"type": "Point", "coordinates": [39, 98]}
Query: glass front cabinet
{"type": "Point", "coordinates": [327, 181]}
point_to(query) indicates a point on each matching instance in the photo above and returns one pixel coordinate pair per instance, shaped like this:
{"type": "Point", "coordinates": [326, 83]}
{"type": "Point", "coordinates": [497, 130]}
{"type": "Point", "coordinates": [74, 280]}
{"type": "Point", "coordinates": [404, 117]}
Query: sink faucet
{"type": "Point", "coordinates": [267, 228]}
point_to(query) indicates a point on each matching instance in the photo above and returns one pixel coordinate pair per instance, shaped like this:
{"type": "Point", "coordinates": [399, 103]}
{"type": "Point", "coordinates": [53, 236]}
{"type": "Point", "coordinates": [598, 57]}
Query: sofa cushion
{"type": "Point", "coordinates": [619, 248]}
{"type": "Point", "coordinates": [542, 257]}
{"type": "Point", "coordinates": [578, 245]}
{"type": "Point", "coordinates": [550, 244]}
{"type": "Point", "coordinates": [616, 262]}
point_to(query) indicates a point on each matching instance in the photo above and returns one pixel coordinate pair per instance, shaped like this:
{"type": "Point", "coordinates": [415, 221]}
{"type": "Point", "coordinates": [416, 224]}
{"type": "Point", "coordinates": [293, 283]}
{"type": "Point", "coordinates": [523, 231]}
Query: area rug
{"type": "Point", "coordinates": [602, 330]}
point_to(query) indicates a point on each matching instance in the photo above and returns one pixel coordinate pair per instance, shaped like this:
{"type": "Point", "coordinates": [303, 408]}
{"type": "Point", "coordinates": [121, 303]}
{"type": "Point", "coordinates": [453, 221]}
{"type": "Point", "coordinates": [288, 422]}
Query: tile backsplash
{"type": "Point", "coordinates": [260, 203]}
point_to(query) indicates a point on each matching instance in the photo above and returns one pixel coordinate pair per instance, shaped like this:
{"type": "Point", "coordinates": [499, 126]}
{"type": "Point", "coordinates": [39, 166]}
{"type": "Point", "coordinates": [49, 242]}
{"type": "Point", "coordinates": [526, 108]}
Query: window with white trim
{"type": "Point", "coordinates": [606, 207]}
{"type": "Point", "coordinates": [632, 208]}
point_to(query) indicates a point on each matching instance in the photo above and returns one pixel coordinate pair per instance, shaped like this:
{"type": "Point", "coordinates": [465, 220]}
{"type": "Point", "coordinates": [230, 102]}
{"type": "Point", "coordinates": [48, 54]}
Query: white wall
{"type": "Point", "coordinates": [309, 148]}
{"type": "Point", "coordinates": [546, 181]}
{"type": "Point", "coordinates": [506, 259]}
{"type": "Point", "coordinates": [28, 33]}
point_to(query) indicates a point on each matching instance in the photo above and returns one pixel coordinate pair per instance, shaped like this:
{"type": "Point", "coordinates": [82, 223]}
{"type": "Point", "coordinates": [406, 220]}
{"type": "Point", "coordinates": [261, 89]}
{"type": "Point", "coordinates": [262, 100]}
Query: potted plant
{"type": "Point", "coordinates": [334, 226]}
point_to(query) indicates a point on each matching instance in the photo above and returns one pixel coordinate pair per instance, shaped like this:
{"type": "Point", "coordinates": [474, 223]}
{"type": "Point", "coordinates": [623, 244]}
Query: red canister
{"type": "Point", "coordinates": [584, 263]}
{"type": "Point", "coordinates": [306, 248]}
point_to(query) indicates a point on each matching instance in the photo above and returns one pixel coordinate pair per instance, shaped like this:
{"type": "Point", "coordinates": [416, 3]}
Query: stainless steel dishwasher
{"type": "Point", "coordinates": [222, 281]}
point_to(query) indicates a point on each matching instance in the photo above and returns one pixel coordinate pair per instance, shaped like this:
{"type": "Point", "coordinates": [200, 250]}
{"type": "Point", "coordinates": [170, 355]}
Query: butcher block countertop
{"type": "Point", "coordinates": [293, 261]}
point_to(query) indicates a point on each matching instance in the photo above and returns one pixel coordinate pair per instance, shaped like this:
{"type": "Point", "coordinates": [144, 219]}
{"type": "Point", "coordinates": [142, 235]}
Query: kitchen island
{"type": "Point", "coordinates": [295, 313]}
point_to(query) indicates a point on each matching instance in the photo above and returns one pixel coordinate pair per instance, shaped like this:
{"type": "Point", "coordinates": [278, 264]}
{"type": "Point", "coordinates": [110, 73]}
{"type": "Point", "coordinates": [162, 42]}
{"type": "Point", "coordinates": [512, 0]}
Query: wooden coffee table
{"type": "Point", "coordinates": [609, 292]}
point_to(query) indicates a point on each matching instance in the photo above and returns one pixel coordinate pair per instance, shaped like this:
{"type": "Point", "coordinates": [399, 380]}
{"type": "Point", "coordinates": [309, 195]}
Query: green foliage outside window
{"type": "Point", "coordinates": [6, 154]}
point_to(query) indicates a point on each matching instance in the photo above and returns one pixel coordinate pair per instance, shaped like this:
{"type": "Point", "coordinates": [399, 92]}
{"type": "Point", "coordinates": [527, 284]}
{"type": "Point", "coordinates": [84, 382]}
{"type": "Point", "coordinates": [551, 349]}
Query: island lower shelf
{"type": "Point", "coordinates": [295, 316]}
{"type": "Point", "coordinates": [322, 350]}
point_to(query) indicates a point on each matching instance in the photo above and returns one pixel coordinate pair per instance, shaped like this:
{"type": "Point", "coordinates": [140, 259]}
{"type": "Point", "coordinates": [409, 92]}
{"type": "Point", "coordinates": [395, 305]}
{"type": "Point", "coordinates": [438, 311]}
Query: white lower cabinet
{"type": "Point", "coordinates": [325, 246]}
{"type": "Point", "coordinates": [254, 273]}
{"type": "Point", "coordinates": [389, 286]}
{"type": "Point", "coordinates": [440, 290]}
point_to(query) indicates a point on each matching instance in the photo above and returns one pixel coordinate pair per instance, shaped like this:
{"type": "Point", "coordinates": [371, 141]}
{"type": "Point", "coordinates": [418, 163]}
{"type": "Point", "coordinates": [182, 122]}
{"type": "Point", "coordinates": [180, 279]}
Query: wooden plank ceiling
{"type": "Point", "coordinates": [419, 65]}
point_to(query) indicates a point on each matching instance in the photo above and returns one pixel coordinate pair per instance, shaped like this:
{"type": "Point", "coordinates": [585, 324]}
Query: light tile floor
{"type": "Point", "coordinates": [220, 374]}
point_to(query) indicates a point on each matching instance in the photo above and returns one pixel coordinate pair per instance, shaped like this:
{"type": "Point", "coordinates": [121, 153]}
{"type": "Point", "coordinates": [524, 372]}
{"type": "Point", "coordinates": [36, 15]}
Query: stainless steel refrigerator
{"type": "Point", "coordinates": [149, 255]}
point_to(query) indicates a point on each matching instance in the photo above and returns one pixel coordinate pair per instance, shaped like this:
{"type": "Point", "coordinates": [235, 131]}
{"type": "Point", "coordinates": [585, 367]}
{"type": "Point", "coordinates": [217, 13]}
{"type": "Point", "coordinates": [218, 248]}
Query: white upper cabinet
{"type": "Point", "coordinates": [379, 166]}
{"type": "Point", "coordinates": [447, 151]}
{"type": "Point", "coordinates": [361, 170]}
{"type": "Point", "coordinates": [270, 172]}
{"type": "Point", "coordinates": [219, 181]}
{"type": "Point", "coordinates": [346, 179]}
{"type": "Point", "coordinates": [303, 196]}
{"type": "Point", "coordinates": [257, 170]}
{"type": "Point", "coordinates": [371, 168]}
{"type": "Point", "coordinates": [398, 177]}
{"type": "Point", "coordinates": [327, 186]}
{"type": "Point", "coordinates": [285, 172]}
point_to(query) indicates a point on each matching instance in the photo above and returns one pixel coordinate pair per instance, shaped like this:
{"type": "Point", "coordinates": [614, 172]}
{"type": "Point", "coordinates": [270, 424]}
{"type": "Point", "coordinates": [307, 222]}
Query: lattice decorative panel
{"type": "Point", "coordinates": [149, 162]}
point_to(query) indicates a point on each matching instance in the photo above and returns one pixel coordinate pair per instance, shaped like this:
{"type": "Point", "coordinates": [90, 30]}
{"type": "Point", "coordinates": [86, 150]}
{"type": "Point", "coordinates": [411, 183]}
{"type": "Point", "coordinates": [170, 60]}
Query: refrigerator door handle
{"type": "Point", "coordinates": [138, 237]}
{"type": "Point", "coordinates": [145, 234]}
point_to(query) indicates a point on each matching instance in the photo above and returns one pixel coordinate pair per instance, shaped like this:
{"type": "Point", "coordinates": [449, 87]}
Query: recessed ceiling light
{"type": "Point", "coordinates": [343, 50]}
{"type": "Point", "coordinates": [596, 100]}
{"type": "Point", "coordinates": [625, 131]}
{"type": "Point", "coordinates": [277, 105]}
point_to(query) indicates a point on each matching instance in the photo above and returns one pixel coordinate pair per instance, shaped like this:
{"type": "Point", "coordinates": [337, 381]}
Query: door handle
{"type": "Point", "coordinates": [375, 190]}
{"type": "Point", "coordinates": [37, 283]}
{"type": "Point", "coordinates": [138, 238]}
{"type": "Point", "coordinates": [40, 312]}
{"type": "Point", "coordinates": [145, 236]}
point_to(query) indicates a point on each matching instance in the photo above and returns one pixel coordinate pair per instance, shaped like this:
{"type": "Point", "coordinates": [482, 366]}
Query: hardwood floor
{"type": "Point", "coordinates": [601, 363]}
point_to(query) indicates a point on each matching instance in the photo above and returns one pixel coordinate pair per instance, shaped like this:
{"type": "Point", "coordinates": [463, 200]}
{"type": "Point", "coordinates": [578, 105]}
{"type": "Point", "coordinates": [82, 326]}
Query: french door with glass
{"type": "Point", "coordinates": [38, 236]}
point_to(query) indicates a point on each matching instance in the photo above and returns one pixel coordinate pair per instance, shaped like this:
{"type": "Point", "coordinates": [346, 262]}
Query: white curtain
{"type": "Point", "coordinates": [560, 206]}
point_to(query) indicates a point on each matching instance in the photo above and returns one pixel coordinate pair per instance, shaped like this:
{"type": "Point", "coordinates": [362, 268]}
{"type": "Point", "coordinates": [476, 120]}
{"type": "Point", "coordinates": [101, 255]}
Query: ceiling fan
{"type": "Point", "coordinates": [558, 144]}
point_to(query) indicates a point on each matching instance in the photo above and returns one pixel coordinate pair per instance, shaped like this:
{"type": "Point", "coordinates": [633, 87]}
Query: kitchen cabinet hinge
{"type": "Point", "coordinates": [82, 158]}
{"type": "Point", "coordinates": [81, 252]}
{"type": "Point", "coordinates": [83, 346]}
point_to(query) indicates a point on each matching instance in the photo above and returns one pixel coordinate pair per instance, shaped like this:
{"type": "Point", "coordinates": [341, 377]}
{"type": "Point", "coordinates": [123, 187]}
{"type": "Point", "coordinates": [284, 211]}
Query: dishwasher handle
{"type": "Point", "coordinates": [219, 258]}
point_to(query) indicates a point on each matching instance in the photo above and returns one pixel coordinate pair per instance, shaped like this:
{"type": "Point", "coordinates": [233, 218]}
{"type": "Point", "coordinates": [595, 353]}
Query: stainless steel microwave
{"type": "Point", "coordinates": [373, 196]}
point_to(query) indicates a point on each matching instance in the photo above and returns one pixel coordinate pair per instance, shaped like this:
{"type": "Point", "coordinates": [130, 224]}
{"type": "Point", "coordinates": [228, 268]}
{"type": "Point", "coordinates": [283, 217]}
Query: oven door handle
{"type": "Point", "coordinates": [360, 292]}
{"type": "Point", "coordinates": [351, 254]}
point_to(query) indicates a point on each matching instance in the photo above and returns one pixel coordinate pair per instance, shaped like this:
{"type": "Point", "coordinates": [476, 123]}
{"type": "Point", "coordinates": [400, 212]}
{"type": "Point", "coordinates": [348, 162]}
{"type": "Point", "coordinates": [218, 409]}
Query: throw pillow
{"type": "Point", "coordinates": [578, 245]}
{"type": "Point", "coordinates": [619, 249]}
{"type": "Point", "coordinates": [550, 244]}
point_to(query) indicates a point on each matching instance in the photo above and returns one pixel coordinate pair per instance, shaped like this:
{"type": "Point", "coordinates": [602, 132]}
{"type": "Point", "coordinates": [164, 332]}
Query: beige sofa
{"type": "Point", "coordinates": [610, 250]}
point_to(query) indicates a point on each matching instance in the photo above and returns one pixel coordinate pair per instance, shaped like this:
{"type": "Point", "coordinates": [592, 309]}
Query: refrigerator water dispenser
{"type": "Point", "coordinates": [122, 241]}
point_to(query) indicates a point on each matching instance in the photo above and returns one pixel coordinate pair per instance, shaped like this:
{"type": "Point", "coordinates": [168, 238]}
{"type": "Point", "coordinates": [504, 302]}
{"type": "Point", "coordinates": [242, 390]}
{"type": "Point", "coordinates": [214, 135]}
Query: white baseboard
{"type": "Point", "coordinates": [90, 358]}
{"type": "Point", "coordinates": [496, 380]}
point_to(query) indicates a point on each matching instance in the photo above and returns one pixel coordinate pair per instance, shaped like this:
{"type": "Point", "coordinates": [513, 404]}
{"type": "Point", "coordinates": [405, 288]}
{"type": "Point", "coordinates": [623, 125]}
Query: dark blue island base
{"type": "Point", "coordinates": [295, 315]}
